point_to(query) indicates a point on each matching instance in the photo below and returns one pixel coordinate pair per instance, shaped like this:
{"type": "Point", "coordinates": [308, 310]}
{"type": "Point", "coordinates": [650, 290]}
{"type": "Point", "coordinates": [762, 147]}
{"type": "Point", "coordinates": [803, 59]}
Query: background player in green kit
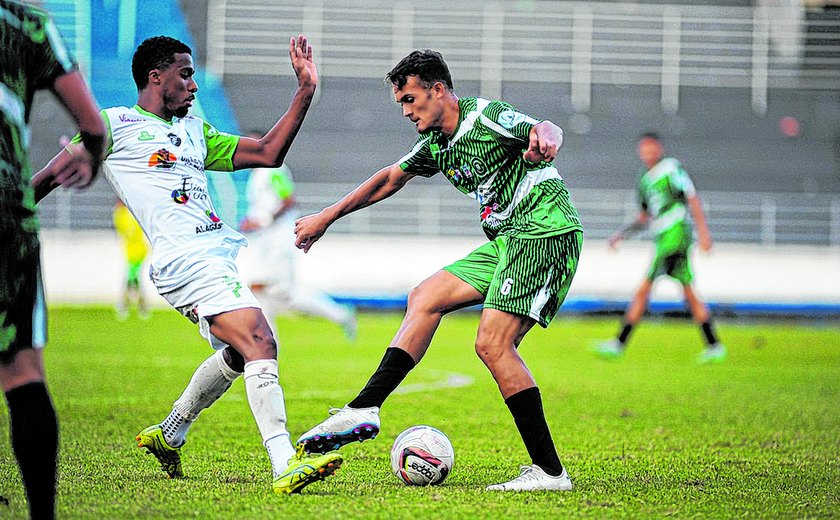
{"type": "Point", "coordinates": [33, 57]}
{"type": "Point", "coordinates": [666, 195]}
{"type": "Point", "coordinates": [502, 158]}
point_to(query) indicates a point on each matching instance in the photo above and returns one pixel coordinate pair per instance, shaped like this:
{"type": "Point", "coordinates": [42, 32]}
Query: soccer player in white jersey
{"type": "Point", "coordinates": [156, 161]}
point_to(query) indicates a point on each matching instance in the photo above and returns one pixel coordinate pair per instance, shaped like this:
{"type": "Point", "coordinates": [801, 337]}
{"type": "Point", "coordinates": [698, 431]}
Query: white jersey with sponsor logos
{"type": "Point", "coordinates": [157, 168]}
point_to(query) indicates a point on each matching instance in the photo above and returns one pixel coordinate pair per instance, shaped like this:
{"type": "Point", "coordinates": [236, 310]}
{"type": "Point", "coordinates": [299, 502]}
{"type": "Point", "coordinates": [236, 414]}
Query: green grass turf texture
{"type": "Point", "coordinates": [653, 434]}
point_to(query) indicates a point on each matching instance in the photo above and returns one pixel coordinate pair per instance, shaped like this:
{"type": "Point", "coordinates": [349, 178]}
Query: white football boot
{"type": "Point", "coordinates": [533, 478]}
{"type": "Point", "coordinates": [343, 426]}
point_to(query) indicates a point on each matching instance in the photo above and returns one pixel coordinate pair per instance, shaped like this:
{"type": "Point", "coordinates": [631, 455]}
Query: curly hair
{"type": "Point", "coordinates": [157, 52]}
{"type": "Point", "coordinates": [427, 65]}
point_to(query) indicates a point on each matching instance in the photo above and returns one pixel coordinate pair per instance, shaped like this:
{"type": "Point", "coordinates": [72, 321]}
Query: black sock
{"type": "Point", "coordinates": [395, 365]}
{"type": "Point", "coordinates": [34, 432]}
{"type": "Point", "coordinates": [625, 333]}
{"type": "Point", "coordinates": [527, 410]}
{"type": "Point", "coordinates": [709, 332]}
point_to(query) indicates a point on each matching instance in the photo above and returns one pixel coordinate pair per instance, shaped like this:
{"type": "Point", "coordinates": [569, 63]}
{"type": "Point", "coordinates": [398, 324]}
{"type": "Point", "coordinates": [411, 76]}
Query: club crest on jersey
{"type": "Point", "coordinates": [174, 139]}
{"type": "Point", "coordinates": [163, 159]}
{"type": "Point", "coordinates": [510, 118]}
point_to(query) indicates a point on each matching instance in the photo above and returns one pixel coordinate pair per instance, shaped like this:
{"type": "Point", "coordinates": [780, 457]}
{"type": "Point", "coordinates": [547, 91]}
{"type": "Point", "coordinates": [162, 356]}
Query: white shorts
{"type": "Point", "coordinates": [214, 289]}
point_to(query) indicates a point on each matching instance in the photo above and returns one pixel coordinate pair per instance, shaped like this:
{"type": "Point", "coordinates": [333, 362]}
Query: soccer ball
{"type": "Point", "coordinates": [422, 456]}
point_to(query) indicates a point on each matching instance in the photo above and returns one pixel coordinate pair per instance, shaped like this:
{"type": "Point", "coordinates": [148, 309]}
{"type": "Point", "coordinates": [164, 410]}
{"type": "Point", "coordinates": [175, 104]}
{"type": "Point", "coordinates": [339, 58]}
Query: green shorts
{"type": "Point", "coordinates": [523, 276]}
{"type": "Point", "coordinates": [672, 256]}
{"type": "Point", "coordinates": [23, 312]}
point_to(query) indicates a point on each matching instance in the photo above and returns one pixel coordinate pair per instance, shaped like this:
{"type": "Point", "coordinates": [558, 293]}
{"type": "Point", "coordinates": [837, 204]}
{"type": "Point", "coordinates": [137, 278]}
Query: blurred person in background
{"type": "Point", "coordinates": [136, 247]}
{"type": "Point", "coordinates": [268, 263]}
{"type": "Point", "coordinates": [666, 197]}
{"type": "Point", "coordinates": [33, 57]}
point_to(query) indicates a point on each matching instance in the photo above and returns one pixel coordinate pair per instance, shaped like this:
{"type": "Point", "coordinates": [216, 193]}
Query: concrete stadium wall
{"type": "Point", "coordinates": [87, 267]}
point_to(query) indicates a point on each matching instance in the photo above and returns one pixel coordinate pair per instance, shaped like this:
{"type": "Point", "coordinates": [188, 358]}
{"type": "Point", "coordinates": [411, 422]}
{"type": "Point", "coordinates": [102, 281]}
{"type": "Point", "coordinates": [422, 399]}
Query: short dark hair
{"type": "Point", "coordinates": [157, 52]}
{"type": "Point", "coordinates": [650, 135]}
{"type": "Point", "coordinates": [427, 65]}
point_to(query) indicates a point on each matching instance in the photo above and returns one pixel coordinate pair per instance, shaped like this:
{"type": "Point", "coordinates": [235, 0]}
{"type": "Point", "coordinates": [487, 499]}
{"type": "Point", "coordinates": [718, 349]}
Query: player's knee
{"type": "Point", "coordinates": [421, 300]}
{"type": "Point", "coordinates": [488, 351]}
{"type": "Point", "coordinates": [234, 359]}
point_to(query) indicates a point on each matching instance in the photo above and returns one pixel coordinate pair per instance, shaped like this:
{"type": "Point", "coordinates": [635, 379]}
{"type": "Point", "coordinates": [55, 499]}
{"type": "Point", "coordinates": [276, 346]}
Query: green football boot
{"type": "Point", "coordinates": [170, 460]}
{"type": "Point", "coordinates": [305, 469]}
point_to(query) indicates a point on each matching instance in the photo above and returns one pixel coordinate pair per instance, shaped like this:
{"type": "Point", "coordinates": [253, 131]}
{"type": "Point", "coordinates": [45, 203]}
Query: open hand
{"type": "Point", "coordinates": [300, 53]}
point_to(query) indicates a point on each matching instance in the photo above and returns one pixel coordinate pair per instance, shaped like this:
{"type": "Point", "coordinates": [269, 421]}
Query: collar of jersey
{"type": "Point", "coordinates": [147, 113]}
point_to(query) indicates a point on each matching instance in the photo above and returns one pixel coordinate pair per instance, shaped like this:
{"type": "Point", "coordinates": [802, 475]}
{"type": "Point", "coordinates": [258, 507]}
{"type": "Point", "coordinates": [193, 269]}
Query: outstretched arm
{"type": "Point", "coordinates": [704, 238]}
{"type": "Point", "coordinates": [544, 140]}
{"type": "Point", "coordinates": [77, 165]}
{"type": "Point", "coordinates": [379, 186]}
{"type": "Point", "coordinates": [271, 149]}
{"type": "Point", "coordinates": [638, 223]}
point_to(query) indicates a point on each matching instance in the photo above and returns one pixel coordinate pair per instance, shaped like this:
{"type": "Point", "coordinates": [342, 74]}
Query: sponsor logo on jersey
{"type": "Point", "coordinates": [181, 195]}
{"type": "Point", "coordinates": [128, 119]}
{"type": "Point", "coordinates": [510, 118]}
{"type": "Point", "coordinates": [195, 162]}
{"type": "Point", "coordinates": [163, 159]}
{"type": "Point", "coordinates": [174, 139]}
{"type": "Point", "coordinates": [488, 210]}
{"type": "Point", "coordinates": [212, 216]}
{"type": "Point", "coordinates": [145, 136]}
{"type": "Point", "coordinates": [454, 176]}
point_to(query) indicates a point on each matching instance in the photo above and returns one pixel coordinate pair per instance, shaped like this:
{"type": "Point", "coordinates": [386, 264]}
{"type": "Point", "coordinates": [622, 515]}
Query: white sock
{"type": "Point", "coordinates": [266, 399]}
{"type": "Point", "coordinates": [209, 382]}
{"type": "Point", "coordinates": [280, 450]}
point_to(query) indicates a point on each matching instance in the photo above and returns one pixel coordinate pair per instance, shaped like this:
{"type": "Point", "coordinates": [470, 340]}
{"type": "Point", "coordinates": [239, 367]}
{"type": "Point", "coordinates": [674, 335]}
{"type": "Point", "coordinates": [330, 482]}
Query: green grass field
{"type": "Point", "coordinates": [651, 435]}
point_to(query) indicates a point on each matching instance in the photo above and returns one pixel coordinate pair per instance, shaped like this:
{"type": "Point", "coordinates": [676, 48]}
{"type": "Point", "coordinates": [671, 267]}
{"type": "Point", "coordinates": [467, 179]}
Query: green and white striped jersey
{"type": "Point", "coordinates": [483, 159]}
{"type": "Point", "coordinates": [32, 57]}
{"type": "Point", "coordinates": [663, 191]}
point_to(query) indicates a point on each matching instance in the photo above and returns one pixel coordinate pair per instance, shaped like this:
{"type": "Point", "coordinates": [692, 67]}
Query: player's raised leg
{"type": "Point", "coordinates": [247, 331]}
{"type": "Point", "coordinates": [439, 294]}
{"type": "Point", "coordinates": [714, 352]}
{"type": "Point", "coordinates": [209, 382]}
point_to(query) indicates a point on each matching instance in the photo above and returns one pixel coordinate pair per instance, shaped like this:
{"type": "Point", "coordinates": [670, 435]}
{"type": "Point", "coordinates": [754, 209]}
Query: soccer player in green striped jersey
{"type": "Point", "coordinates": [33, 57]}
{"type": "Point", "coordinates": [503, 159]}
{"type": "Point", "coordinates": [666, 196]}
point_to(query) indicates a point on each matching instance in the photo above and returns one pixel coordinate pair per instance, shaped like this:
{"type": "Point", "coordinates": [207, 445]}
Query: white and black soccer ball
{"type": "Point", "coordinates": [422, 456]}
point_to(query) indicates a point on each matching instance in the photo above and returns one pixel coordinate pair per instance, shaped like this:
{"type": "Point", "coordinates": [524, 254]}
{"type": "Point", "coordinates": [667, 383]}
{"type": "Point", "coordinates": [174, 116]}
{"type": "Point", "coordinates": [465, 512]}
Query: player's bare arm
{"type": "Point", "coordinates": [638, 224]}
{"type": "Point", "coordinates": [78, 164]}
{"type": "Point", "coordinates": [543, 142]}
{"type": "Point", "coordinates": [271, 149]}
{"type": "Point", "coordinates": [379, 186]}
{"type": "Point", "coordinates": [704, 238]}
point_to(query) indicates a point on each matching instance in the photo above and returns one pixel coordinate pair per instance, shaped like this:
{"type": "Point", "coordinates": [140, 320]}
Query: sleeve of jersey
{"type": "Point", "coordinates": [507, 123]}
{"type": "Point", "coordinates": [683, 181]}
{"type": "Point", "coordinates": [419, 160]}
{"type": "Point", "coordinates": [51, 58]}
{"type": "Point", "coordinates": [220, 149]}
{"type": "Point", "coordinates": [282, 183]}
{"type": "Point", "coordinates": [109, 138]}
